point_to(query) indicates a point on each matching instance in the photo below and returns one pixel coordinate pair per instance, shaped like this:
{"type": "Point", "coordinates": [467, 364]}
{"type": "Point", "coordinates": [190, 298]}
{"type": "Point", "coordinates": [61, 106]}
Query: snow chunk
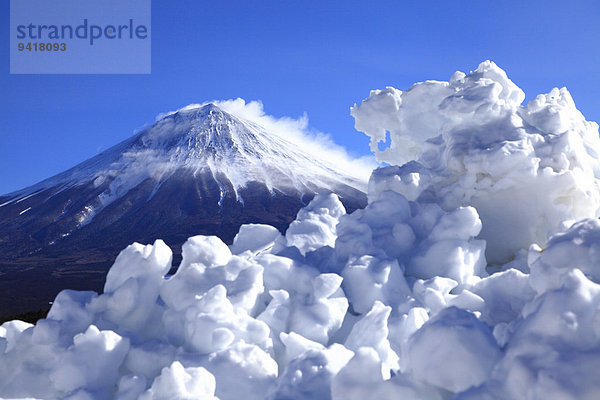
{"type": "Point", "coordinates": [453, 350]}
{"type": "Point", "coordinates": [156, 261]}
{"type": "Point", "coordinates": [205, 250]}
{"type": "Point", "coordinates": [316, 313]}
{"type": "Point", "coordinates": [315, 225]}
{"type": "Point", "coordinates": [242, 371]}
{"type": "Point", "coordinates": [177, 382]}
{"type": "Point", "coordinates": [242, 278]}
{"type": "Point", "coordinates": [213, 324]}
{"type": "Point", "coordinates": [368, 279]}
{"type": "Point", "coordinates": [92, 362]}
{"type": "Point", "coordinates": [309, 375]}
{"type": "Point", "coordinates": [11, 331]}
{"type": "Point", "coordinates": [554, 351]}
{"type": "Point", "coordinates": [504, 295]}
{"type": "Point", "coordinates": [426, 240]}
{"type": "Point", "coordinates": [361, 379]}
{"type": "Point", "coordinates": [256, 238]}
{"type": "Point", "coordinates": [578, 247]}
{"type": "Point", "coordinates": [133, 283]}
{"type": "Point", "coordinates": [372, 331]}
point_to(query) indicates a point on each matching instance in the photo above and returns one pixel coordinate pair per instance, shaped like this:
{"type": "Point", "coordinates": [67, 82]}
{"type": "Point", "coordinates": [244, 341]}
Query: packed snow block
{"type": "Point", "coordinates": [300, 299]}
{"type": "Point", "coordinates": [450, 250]}
{"type": "Point", "coordinates": [308, 376]}
{"type": "Point", "coordinates": [319, 316]}
{"type": "Point", "coordinates": [453, 351]}
{"type": "Point", "coordinates": [553, 112]}
{"type": "Point", "coordinates": [26, 364]}
{"type": "Point", "coordinates": [426, 241]}
{"type": "Point", "coordinates": [354, 236]}
{"type": "Point", "coordinates": [401, 328]}
{"type": "Point", "coordinates": [177, 382]}
{"type": "Point", "coordinates": [241, 276]}
{"type": "Point", "coordinates": [81, 394]}
{"type": "Point", "coordinates": [408, 179]}
{"type": "Point", "coordinates": [139, 261]}
{"type": "Point", "coordinates": [361, 379]}
{"type": "Point", "coordinates": [11, 331]}
{"type": "Point", "coordinates": [49, 332]}
{"type": "Point", "coordinates": [257, 238]}
{"type": "Point", "coordinates": [316, 313]}
{"type": "Point", "coordinates": [554, 350]}
{"type": "Point", "coordinates": [446, 247]}
{"type": "Point", "coordinates": [382, 216]}
{"type": "Point", "coordinates": [130, 387]}
{"type": "Point", "coordinates": [369, 279]}
{"type": "Point", "coordinates": [409, 117]}
{"type": "Point", "coordinates": [315, 224]}
{"type": "Point", "coordinates": [92, 362]}
{"type": "Point", "coordinates": [488, 391]}
{"type": "Point", "coordinates": [568, 315]}
{"type": "Point", "coordinates": [504, 295]}
{"type": "Point", "coordinates": [573, 375]}
{"type": "Point", "coordinates": [578, 247]}
{"type": "Point", "coordinates": [455, 259]}
{"type": "Point", "coordinates": [246, 285]}
{"type": "Point", "coordinates": [434, 294]}
{"type": "Point", "coordinates": [243, 371]}
{"type": "Point", "coordinates": [424, 217]}
{"type": "Point", "coordinates": [212, 324]}
{"type": "Point", "coordinates": [375, 230]}
{"type": "Point", "coordinates": [462, 223]}
{"type": "Point", "coordinates": [205, 250]}
{"type": "Point", "coordinates": [149, 358]}
{"type": "Point", "coordinates": [372, 331]}
{"type": "Point", "coordinates": [284, 273]}
{"type": "Point", "coordinates": [278, 313]}
{"type": "Point", "coordinates": [132, 285]}
{"type": "Point", "coordinates": [470, 141]}
{"type": "Point", "coordinates": [70, 308]}
{"type": "Point", "coordinates": [295, 345]}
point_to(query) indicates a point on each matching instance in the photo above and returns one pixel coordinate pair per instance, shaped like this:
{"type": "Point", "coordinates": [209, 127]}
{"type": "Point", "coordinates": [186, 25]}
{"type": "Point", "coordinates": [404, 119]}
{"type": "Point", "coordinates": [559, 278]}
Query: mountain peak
{"type": "Point", "coordinates": [208, 110]}
{"type": "Point", "coordinates": [199, 141]}
{"type": "Point", "coordinates": [195, 132]}
{"type": "Point", "coordinates": [211, 107]}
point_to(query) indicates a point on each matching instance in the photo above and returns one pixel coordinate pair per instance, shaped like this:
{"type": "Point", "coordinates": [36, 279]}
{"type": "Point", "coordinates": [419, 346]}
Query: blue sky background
{"type": "Point", "coordinates": [318, 57]}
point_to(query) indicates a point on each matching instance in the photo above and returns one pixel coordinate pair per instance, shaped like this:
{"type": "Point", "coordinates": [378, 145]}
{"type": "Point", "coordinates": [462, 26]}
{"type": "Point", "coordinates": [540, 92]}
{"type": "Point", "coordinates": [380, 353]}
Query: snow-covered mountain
{"type": "Point", "coordinates": [196, 170]}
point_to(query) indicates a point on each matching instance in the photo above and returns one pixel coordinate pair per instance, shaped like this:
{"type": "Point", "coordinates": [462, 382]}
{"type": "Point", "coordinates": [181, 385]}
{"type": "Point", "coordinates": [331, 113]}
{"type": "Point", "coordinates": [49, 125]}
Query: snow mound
{"type": "Point", "coordinates": [393, 301]}
{"type": "Point", "coordinates": [469, 141]}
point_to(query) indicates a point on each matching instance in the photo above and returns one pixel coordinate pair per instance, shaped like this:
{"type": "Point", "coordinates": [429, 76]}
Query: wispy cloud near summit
{"type": "Point", "coordinates": [297, 131]}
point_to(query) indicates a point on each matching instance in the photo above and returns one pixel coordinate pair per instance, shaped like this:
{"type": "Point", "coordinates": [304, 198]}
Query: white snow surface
{"type": "Point", "coordinates": [396, 301]}
{"type": "Point", "coordinates": [470, 141]}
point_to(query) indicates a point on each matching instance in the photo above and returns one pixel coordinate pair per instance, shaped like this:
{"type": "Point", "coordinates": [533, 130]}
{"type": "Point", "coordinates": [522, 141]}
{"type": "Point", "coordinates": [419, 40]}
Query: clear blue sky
{"type": "Point", "coordinates": [318, 57]}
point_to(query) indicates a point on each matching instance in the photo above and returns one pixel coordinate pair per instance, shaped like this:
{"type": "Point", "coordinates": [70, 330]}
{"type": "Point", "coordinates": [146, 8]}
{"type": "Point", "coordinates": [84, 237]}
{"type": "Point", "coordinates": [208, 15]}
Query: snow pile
{"type": "Point", "coordinates": [469, 141]}
{"type": "Point", "coordinates": [394, 301]}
